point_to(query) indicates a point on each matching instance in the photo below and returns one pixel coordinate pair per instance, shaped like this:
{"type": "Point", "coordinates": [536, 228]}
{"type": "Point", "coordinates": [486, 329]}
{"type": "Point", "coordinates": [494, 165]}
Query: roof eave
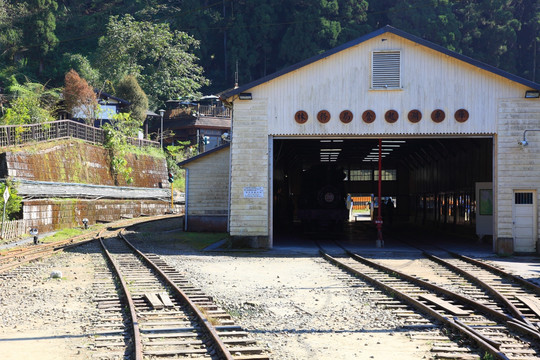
{"type": "Point", "coordinates": [204, 154]}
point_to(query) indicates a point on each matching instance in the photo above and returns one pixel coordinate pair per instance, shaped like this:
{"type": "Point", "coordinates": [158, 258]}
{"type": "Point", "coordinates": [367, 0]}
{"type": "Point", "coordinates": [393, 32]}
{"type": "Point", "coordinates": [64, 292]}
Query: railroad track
{"type": "Point", "coordinates": [515, 296]}
{"type": "Point", "coordinates": [23, 255]}
{"type": "Point", "coordinates": [487, 324]}
{"type": "Point", "coordinates": [166, 316]}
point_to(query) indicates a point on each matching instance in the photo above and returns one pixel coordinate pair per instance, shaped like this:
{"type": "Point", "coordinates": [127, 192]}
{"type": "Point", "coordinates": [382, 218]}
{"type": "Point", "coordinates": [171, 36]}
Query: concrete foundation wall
{"type": "Point", "coordinates": [54, 214]}
{"type": "Point", "coordinates": [207, 223]}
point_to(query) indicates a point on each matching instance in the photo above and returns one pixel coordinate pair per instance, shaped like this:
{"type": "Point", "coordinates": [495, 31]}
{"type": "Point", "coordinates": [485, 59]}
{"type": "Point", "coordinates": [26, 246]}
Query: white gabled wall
{"type": "Point", "coordinates": [249, 168]}
{"type": "Point", "coordinates": [430, 80]}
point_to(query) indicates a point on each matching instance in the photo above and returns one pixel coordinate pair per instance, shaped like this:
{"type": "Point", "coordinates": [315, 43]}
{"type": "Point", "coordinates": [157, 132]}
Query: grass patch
{"type": "Point", "coordinates": [65, 234]}
{"type": "Point", "coordinates": [147, 150]}
{"type": "Point", "coordinates": [195, 240]}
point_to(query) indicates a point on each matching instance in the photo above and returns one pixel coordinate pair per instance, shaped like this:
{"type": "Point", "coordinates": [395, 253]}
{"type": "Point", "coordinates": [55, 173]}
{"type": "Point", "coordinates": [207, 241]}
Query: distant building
{"type": "Point", "coordinates": [109, 106]}
{"type": "Point", "coordinates": [201, 122]}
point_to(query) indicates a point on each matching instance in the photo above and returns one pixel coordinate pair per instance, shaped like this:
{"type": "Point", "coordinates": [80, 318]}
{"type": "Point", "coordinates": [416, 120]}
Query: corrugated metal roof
{"type": "Point", "coordinates": [386, 29]}
{"type": "Point", "coordinates": [213, 122]}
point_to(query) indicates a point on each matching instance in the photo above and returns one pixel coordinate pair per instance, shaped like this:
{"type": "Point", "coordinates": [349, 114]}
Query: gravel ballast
{"type": "Point", "coordinates": [297, 305]}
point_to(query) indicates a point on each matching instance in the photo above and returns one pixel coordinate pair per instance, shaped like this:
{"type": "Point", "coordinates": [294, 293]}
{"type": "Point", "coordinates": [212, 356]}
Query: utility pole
{"type": "Point", "coordinates": [6, 198]}
{"type": "Point", "coordinates": [380, 242]}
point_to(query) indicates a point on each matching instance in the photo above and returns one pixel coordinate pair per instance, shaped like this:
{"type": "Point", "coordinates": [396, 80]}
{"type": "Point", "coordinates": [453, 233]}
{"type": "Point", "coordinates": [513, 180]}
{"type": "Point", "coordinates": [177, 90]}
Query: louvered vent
{"type": "Point", "coordinates": [386, 70]}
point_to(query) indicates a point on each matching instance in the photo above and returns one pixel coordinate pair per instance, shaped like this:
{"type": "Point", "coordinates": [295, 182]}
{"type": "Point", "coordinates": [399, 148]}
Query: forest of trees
{"type": "Point", "coordinates": [180, 48]}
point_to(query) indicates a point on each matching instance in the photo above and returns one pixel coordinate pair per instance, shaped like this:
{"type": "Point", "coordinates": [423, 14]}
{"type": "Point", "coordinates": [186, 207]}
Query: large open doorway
{"type": "Point", "coordinates": [428, 182]}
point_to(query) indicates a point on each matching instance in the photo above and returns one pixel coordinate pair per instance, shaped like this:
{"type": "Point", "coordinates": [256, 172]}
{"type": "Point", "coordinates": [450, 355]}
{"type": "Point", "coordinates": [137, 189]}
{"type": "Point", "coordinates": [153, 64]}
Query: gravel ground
{"type": "Point", "coordinates": [295, 305]}
{"type": "Point", "coordinates": [48, 318]}
{"type": "Point", "coordinates": [293, 302]}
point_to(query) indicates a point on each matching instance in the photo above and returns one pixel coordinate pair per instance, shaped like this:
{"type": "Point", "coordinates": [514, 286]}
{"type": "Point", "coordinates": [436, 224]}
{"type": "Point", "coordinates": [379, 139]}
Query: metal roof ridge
{"type": "Point", "coordinates": [204, 154]}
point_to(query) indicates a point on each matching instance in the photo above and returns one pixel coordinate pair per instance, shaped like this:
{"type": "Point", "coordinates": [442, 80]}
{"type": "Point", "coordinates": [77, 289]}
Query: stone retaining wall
{"type": "Point", "coordinates": [54, 214]}
{"type": "Point", "coordinates": [73, 161]}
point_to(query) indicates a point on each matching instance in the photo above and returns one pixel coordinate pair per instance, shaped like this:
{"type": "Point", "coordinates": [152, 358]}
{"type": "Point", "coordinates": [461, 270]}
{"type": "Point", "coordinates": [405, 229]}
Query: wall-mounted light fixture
{"type": "Point", "coordinates": [226, 137]}
{"type": "Point", "coordinates": [524, 142]}
{"type": "Point", "coordinates": [532, 94]}
{"type": "Point", "coordinates": [245, 96]}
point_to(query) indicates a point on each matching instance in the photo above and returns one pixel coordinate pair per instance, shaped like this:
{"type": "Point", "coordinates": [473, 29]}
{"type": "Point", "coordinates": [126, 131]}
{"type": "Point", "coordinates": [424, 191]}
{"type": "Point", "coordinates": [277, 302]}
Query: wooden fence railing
{"type": "Point", "coordinates": [143, 142]}
{"type": "Point", "coordinates": [11, 135]}
{"type": "Point", "coordinates": [13, 229]}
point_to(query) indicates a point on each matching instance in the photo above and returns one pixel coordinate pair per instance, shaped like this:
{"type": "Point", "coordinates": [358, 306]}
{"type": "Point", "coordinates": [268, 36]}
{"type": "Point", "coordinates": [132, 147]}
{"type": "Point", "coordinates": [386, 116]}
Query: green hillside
{"type": "Point", "coordinates": [181, 48]}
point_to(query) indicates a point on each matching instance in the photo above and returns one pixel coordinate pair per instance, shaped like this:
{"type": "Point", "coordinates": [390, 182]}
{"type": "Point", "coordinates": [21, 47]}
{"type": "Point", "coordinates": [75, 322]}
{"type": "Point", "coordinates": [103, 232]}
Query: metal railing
{"type": "Point", "coordinates": [199, 110]}
{"type": "Point", "coordinates": [216, 111]}
{"type": "Point", "coordinates": [11, 135]}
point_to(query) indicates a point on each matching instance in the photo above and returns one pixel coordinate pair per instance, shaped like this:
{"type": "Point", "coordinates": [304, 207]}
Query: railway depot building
{"type": "Point", "coordinates": [451, 131]}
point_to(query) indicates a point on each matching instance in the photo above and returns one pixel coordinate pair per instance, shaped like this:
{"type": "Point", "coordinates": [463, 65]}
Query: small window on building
{"type": "Point", "coordinates": [386, 70]}
{"type": "Point", "coordinates": [387, 175]}
{"type": "Point", "coordinates": [360, 175]}
{"type": "Point", "coordinates": [523, 198]}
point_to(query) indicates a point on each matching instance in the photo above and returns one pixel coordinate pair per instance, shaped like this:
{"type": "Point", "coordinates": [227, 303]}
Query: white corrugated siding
{"type": "Point", "coordinates": [430, 80]}
{"type": "Point", "coordinates": [209, 184]}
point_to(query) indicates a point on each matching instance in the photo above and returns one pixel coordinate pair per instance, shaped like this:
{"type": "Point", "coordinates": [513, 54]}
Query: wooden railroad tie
{"type": "Point", "coordinates": [531, 302]}
{"type": "Point", "coordinates": [159, 300]}
{"type": "Point", "coordinates": [452, 309]}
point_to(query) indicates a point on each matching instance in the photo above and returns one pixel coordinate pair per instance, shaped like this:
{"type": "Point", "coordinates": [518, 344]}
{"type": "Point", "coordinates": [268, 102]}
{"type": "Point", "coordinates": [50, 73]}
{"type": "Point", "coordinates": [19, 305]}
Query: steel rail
{"type": "Point", "coordinates": [137, 341]}
{"type": "Point", "coordinates": [497, 271]}
{"type": "Point", "coordinates": [33, 249]}
{"type": "Point", "coordinates": [496, 294]}
{"type": "Point", "coordinates": [521, 323]}
{"type": "Point", "coordinates": [427, 285]}
{"type": "Point", "coordinates": [483, 342]}
{"type": "Point", "coordinates": [210, 329]}
{"type": "Point", "coordinates": [524, 328]}
{"type": "Point", "coordinates": [25, 255]}
{"type": "Point", "coordinates": [32, 254]}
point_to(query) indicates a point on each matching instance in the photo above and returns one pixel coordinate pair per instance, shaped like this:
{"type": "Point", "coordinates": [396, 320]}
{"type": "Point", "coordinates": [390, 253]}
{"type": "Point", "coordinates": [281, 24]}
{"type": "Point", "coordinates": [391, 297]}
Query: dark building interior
{"type": "Point", "coordinates": [430, 182]}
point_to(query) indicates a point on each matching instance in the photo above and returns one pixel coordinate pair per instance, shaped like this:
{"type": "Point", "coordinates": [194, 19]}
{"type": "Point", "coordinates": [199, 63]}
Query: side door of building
{"type": "Point", "coordinates": [524, 221]}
